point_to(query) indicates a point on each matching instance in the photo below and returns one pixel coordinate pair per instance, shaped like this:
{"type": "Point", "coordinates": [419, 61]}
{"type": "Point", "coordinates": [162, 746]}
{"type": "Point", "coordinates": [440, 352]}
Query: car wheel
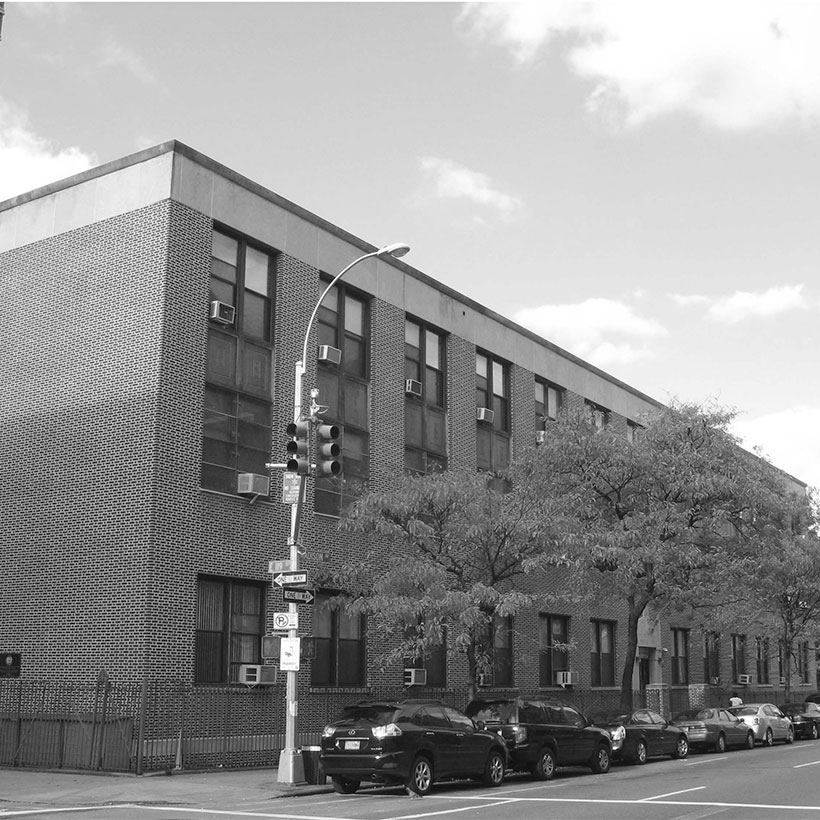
{"type": "Point", "coordinates": [421, 776]}
{"type": "Point", "coordinates": [750, 740]}
{"type": "Point", "coordinates": [768, 740]}
{"type": "Point", "coordinates": [494, 769]}
{"type": "Point", "coordinates": [790, 734]}
{"type": "Point", "coordinates": [601, 760]}
{"type": "Point", "coordinates": [681, 748]}
{"type": "Point", "coordinates": [640, 753]}
{"type": "Point", "coordinates": [720, 746]}
{"type": "Point", "coordinates": [344, 785]}
{"type": "Point", "coordinates": [544, 767]}
{"type": "Point", "coordinates": [814, 731]}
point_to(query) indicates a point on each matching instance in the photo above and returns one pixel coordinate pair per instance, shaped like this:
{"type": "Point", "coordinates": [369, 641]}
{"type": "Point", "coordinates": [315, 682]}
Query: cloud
{"type": "Point", "coordinates": [29, 160]}
{"type": "Point", "coordinates": [684, 300]}
{"type": "Point", "coordinates": [757, 304]}
{"type": "Point", "coordinates": [732, 66]}
{"type": "Point", "coordinates": [115, 55]}
{"type": "Point", "coordinates": [449, 180]}
{"type": "Point", "coordinates": [599, 330]}
{"type": "Point", "coordinates": [790, 438]}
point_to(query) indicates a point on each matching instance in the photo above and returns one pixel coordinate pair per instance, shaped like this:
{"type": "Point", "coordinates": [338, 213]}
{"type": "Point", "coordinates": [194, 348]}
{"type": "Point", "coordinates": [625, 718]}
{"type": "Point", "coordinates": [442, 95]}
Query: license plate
{"type": "Point", "coordinates": [353, 744]}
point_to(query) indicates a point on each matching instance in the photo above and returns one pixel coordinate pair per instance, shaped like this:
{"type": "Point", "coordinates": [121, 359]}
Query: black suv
{"type": "Point", "coordinates": [410, 742]}
{"type": "Point", "coordinates": [542, 735]}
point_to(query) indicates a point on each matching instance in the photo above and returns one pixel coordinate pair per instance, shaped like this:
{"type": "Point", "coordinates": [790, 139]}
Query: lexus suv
{"type": "Point", "coordinates": [543, 735]}
{"type": "Point", "coordinates": [412, 743]}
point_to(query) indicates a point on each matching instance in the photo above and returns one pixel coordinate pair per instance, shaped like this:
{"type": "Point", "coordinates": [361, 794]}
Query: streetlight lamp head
{"type": "Point", "coordinates": [396, 250]}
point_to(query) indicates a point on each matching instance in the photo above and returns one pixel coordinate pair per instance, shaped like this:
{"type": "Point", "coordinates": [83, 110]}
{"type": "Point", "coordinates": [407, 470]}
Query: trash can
{"type": "Point", "coordinates": [313, 767]}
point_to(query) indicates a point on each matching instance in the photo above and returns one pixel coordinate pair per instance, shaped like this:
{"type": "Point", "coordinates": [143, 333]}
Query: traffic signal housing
{"type": "Point", "coordinates": [328, 450]}
{"type": "Point", "coordinates": [298, 447]}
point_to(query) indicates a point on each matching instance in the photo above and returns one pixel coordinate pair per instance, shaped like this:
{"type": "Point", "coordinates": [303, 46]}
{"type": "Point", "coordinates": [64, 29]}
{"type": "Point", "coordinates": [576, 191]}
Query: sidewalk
{"type": "Point", "coordinates": [28, 788]}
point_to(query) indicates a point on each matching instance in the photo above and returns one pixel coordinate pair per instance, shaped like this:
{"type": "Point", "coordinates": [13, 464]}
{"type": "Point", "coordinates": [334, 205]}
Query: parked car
{"type": "Point", "coordinates": [544, 735]}
{"type": "Point", "coordinates": [411, 742]}
{"type": "Point", "coordinates": [805, 718]}
{"type": "Point", "coordinates": [641, 734]}
{"type": "Point", "coordinates": [714, 728]}
{"type": "Point", "coordinates": [767, 721]}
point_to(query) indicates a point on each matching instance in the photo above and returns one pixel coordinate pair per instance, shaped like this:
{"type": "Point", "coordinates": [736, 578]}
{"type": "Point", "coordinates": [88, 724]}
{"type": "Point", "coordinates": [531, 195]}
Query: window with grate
{"type": "Point", "coordinates": [434, 659]}
{"type": "Point", "coordinates": [492, 393]}
{"type": "Point", "coordinates": [343, 323]}
{"type": "Point", "coordinates": [339, 644]}
{"type": "Point", "coordinates": [602, 653]}
{"type": "Point", "coordinates": [229, 628]}
{"type": "Point", "coordinates": [711, 658]}
{"type": "Point", "coordinates": [762, 659]}
{"type": "Point", "coordinates": [236, 431]}
{"type": "Point", "coordinates": [502, 651]}
{"type": "Point", "coordinates": [553, 652]}
{"type": "Point", "coordinates": [425, 421]}
{"type": "Point", "coordinates": [738, 656]}
{"type": "Point", "coordinates": [680, 656]}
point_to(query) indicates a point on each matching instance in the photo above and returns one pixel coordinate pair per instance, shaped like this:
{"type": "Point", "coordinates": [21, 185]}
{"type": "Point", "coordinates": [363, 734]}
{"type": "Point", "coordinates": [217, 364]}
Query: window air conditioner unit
{"type": "Point", "coordinates": [412, 387]}
{"type": "Point", "coordinates": [540, 436]}
{"type": "Point", "coordinates": [222, 313]}
{"type": "Point", "coordinates": [566, 678]}
{"type": "Point", "coordinates": [744, 679]}
{"type": "Point", "coordinates": [485, 414]}
{"type": "Point", "coordinates": [331, 355]}
{"type": "Point", "coordinates": [253, 674]}
{"type": "Point", "coordinates": [415, 677]}
{"type": "Point", "coordinates": [485, 679]}
{"type": "Point", "coordinates": [253, 484]}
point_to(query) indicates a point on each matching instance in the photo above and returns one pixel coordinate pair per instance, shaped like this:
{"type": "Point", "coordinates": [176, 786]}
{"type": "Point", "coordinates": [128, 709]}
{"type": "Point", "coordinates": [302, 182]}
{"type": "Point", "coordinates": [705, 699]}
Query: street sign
{"type": "Point", "coordinates": [290, 579]}
{"type": "Point", "coordinates": [285, 620]}
{"type": "Point", "coordinates": [291, 483]}
{"type": "Point", "coordinates": [289, 659]}
{"type": "Point", "coordinates": [302, 596]}
{"type": "Point", "coordinates": [275, 567]}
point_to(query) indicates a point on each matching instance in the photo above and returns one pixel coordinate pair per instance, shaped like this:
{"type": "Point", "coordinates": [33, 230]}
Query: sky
{"type": "Point", "coordinates": [637, 181]}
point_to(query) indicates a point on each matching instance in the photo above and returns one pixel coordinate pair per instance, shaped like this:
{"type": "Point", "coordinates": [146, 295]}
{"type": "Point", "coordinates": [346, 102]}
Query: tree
{"type": "Point", "coordinates": [459, 541]}
{"type": "Point", "coordinates": [659, 520]}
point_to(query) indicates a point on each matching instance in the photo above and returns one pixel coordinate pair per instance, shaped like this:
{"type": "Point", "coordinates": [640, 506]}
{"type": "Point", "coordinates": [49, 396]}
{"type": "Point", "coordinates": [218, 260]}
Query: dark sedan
{"type": "Point", "coordinates": [714, 728]}
{"type": "Point", "coordinates": [805, 718]}
{"type": "Point", "coordinates": [641, 734]}
{"type": "Point", "coordinates": [412, 743]}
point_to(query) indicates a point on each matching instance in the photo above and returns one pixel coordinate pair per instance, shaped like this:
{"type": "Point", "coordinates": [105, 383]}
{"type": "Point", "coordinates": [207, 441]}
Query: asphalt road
{"type": "Point", "coordinates": [763, 784]}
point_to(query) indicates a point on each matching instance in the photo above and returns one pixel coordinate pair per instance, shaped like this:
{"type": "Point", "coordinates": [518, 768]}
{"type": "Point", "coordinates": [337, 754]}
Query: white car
{"type": "Point", "coordinates": [767, 721]}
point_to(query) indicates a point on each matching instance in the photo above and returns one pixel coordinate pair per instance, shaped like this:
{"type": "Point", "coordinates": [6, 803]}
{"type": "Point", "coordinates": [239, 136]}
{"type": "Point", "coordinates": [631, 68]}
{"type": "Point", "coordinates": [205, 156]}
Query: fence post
{"type": "Point", "coordinates": [141, 726]}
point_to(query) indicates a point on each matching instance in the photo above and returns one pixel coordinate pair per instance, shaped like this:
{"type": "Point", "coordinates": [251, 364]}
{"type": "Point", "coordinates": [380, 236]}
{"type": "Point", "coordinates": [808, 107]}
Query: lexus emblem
{"type": "Point", "coordinates": [351, 731]}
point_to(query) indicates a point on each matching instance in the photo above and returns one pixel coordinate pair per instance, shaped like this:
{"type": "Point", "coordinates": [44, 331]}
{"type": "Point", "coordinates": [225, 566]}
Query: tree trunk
{"type": "Point", "coordinates": [472, 674]}
{"type": "Point", "coordinates": [635, 612]}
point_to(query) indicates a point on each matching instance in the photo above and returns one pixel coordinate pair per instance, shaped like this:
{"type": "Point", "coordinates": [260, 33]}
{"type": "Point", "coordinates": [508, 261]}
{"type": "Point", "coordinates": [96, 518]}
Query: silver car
{"type": "Point", "coordinates": [767, 721]}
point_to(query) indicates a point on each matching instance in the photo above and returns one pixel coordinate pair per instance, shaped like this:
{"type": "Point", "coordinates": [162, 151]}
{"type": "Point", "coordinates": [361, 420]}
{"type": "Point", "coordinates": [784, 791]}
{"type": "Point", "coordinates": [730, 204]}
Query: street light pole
{"type": "Point", "coordinates": [291, 765]}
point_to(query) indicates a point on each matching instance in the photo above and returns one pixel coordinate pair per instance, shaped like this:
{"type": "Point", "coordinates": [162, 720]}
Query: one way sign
{"type": "Point", "coordinates": [302, 596]}
{"type": "Point", "coordinates": [290, 579]}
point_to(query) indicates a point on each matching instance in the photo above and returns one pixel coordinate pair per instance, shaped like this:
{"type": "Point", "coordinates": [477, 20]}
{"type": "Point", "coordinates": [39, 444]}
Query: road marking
{"type": "Point", "coordinates": [670, 794]}
{"type": "Point", "coordinates": [801, 765]}
{"type": "Point", "coordinates": [705, 760]}
{"type": "Point", "coordinates": [448, 811]}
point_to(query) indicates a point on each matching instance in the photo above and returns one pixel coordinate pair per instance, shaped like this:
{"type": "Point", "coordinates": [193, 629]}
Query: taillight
{"type": "Point", "coordinates": [328, 731]}
{"type": "Point", "coordinates": [519, 733]}
{"type": "Point", "coordinates": [390, 730]}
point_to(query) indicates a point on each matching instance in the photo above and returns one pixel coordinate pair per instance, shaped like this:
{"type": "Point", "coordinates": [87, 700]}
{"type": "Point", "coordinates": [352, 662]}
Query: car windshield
{"type": "Point", "coordinates": [608, 717]}
{"type": "Point", "coordinates": [492, 711]}
{"type": "Point", "coordinates": [744, 710]}
{"type": "Point", "coordinates": [375, 714]}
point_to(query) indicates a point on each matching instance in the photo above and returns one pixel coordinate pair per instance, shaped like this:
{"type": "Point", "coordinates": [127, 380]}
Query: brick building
{"type": "Point", "coordinates": [131, 404]}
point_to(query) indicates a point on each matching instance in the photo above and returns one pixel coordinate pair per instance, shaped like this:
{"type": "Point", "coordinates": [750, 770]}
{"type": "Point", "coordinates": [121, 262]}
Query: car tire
{"type": "Point", "coordinates": [494, 769]}
{"type": "Point", "coordinates": [344, 785]}
{"type": "Point", "coordinates": [601, 760]}
{"type": "Point", "coordinates": [750, 740]}
{"type": "Point", "coordinates": [681, 748]}
{"type": "Point", "coordinates": [790, 735]}
{"type": "Point", "coordinates": [720, 746]}
{"type": "Point", "coordinates": [641, 753]}
{"type": "Point", "coordinates": [544, 767]}
{"type": "Point", "coordinates": [420, 779]}
{"type": "Point", "coordinates": [768, 739]}
{"type": "Point", "coordinates": [813, 734]}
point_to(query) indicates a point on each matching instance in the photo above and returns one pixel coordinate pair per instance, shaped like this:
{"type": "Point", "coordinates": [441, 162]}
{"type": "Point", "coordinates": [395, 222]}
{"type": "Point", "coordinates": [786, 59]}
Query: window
{"type": "Point", "coordinates": [762, 659]}
{"type": "Point", "coordinates": [502, 651]}
{"type": "Point", "coordinates": [680, 656]}
{"type": "Point", "coordinates": [711, 658]}
{"type": "Point", "coordinates": [738, 656]}
{"type": "Point", "coordinates": [602, 653]}
{"type": "Point", "coordinates": [425, 426]}
{"type": "Point", "coordinates": [229, 628]}
{"type": "Point", "coordinates": [236, 432]}
{"type": "Point", "coordinates": [339, 642]}
{"type": "Point", "coordinates": [597, 416]}
{"type": "Point", "coordinates": [633, 431]}
{"type": "Point", "coordinates": [548, 401]}
{"type": "Point", "coordinates": [342, 323]}
{"type": "Point", "coordinates": [802, 657]}
{"type": "Point", "coordinates": [435, 660]}
{"type": "Point", "coordinates": [553, 653]}
{"type": "Point", "coordinates": [492, 393]}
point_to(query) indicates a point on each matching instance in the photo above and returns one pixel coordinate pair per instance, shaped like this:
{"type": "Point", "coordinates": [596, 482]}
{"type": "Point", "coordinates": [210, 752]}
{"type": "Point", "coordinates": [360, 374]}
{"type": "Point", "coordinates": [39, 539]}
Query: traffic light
{"type": "Point", "coordinates": [328, 450]}
{"type": "Point", "coordinates": [298, 447]}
